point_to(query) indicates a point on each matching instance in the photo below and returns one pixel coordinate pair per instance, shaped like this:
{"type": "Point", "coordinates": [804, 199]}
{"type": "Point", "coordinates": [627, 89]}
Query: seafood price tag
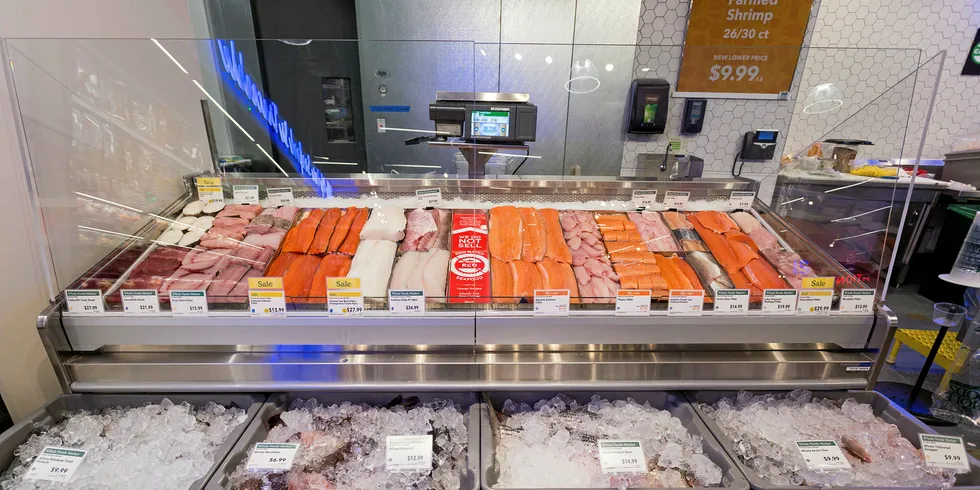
{"type": "Point", "coordinates": [266, 296]}
{"type": "Point", "coordinates": [551, 302]}
{"type": "Point", "coordinates": [408, 453]}
{"type": "Point", "coordinates": [280, 196]}
{"type": "Point", "coordinates": [429, 198]}
{"type": "Point", "coordinates": [741, 200]}
{"type": "Point", "coordinates": [189, 303]}
{"type": "Point", "coordinates": [632, 302]}
{"type": "Point", "coordinates": [823, 455]}
{"type": "Point", "coordinates": [622, 457]}
{"type": "Point", "coordinates": [406, 302]}
{"type": "Point", "coordinates": [345, 303]}
{"type": "Point", "coordinates": [270, 456]}
{"type": "Point", "coordinates": [779, 302]}
{"type": "Point", "coordinates": [140, 302]}
{"type": "Point", "coordinates": [676, 199]}
{"type": "Point", "coordinates": [85, 302]}
{"type": "Point", "coordinates": [209, 190]}
{"type": "Point", "coordinates": [685, 302]}
{"type": "Point", "coordinates": [245, 194]}
{"type": "Point", "coordinates": [644, 199]}
{"type": "Point", "coordinates": [55, 464]}
{"type": "Point", "coordinates": [732, 302]}
{"type": "Point", "coordinates": [857, 301]}
{"type": "Point", "coordinates": [944, 452]}
{"type": "Point", "coordinates": [815, 301]}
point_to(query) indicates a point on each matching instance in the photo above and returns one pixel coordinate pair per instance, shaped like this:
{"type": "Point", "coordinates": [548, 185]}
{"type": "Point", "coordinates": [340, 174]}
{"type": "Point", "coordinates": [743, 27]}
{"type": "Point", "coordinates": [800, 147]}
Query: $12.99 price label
{"type": "Point", "coordinates": [622, 457]}
{"type": "Point", "coordinates": [269, 456]}
{"type": "Point", "coordinates": [408, 453]}
{"type": "Point", "coordinates": [822, 455]}
{"type": "Point", "coordinates": [55, 464]}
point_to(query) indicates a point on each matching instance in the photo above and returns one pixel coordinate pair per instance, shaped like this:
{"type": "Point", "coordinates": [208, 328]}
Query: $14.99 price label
{"type": "Point", "coordinates": [622, 457]}
{"type": "Point", "coordinates": [268, 456]}
{"type": "Point", "coordinates": [822, 455]}
{"type": "Point", "coordinates": [55, 464]}
{"type": "Point", "coordinates": [408, 453]}
{"type": "Point", "coordinates": [945, 452]}
{"type": "Point", "coordinates": [732, 302]}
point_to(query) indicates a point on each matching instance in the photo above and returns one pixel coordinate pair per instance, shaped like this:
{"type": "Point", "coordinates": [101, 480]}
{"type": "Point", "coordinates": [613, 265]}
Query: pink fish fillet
{"type": "Point", "coordinates": [421, 224]}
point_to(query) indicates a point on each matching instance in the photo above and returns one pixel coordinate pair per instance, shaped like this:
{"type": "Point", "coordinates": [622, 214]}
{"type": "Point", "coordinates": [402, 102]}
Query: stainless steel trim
{"type": "Point", "coordinates": [889, 329]}
{"type": "Point", "coordinates": [482, 96]}
{"type": "Point", "coordinates": [55, 341]}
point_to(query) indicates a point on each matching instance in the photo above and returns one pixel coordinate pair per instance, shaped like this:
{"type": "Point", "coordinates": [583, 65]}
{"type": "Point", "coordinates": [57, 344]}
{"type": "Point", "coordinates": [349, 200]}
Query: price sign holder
{"type": "Point", "coordinates": [270, 456]}
{"type": "Point", "coordinates": [676, 199]}
{"type": "Point", "coordinates": [245, 194]}
{"type": "Point", "coordinates": [857, 301]}
{"type": "Point", "coordinates": [685, 302]}
{"type": "Point", "coordinates": [823, 455]}
{"type": "Point", "coordinates": [815, 302]}
{"type": "Point", "coordinates": [209, 190]}
{"type": "Point", "coordinates": [946, 452]}
{"type": "Point", "coordinates": [406, 302]}
{"type": "Point", "coordinates": [732, 302]}
{"type": "Point", "coordinates": [279, 196]}
{"type": "Point", "coordinates": [189, 303]}
{"type": "Point", "coordinates": [56, 464]}
{"type": "Point", "coordinates": [85, 302]}
{"type": "Point", "coordinates": [551, 302]}
{"type": "Point", "coordinates": [266, 296]}
{"type": "Point", "coordinates": [344, 296]}
{"type": "Point", "coordinates": [140, 302]}
{"type": "Point", "coordinates": [644, 199]}
{"type": "Point", "coordinates": [622, 457]}
{"type": "Point", "coordinates": [633, 302]}
{"type": "Point", "coordinates": [429, 198]}
{"type": "Point", "coordinates": [408, 453]}
{"type": "Point", "coordinates": [741, 200]}
{"type": "Point", "coordinates": [779, 302]}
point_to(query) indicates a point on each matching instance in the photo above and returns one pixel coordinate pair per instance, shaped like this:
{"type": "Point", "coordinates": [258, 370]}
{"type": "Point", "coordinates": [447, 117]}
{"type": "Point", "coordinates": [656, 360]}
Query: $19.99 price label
{"type": "Point", "coordinates": [822, 455]}
{"type": "Point", "coordinates": [779, 302]}
{"type": "Point", "coordinates": [622, 457]}
{"type": "Point", "coordinates": [945, 452]}
{"type": "Point", "coordinates": [55, 464]}
{"type": "Point", "coordinates": [408, 453]}
{"type": "Point", "coordinates": [269, 456]}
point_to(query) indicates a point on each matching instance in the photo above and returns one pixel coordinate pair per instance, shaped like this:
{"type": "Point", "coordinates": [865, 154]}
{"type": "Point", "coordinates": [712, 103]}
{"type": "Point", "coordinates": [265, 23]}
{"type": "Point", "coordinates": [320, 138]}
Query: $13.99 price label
{"type": "Point", "coordinates": [622, 457]}
{"type": "Point", "coordinates": [269, 456]}
{"type": "Point", "coordinates": [822, 455]}
{"type": "Point", "coordinates": [945, 452]}
{"type": "Point", "coordinates": [408, 453]}
{"type": "Point", "coordinates": [55, 464]}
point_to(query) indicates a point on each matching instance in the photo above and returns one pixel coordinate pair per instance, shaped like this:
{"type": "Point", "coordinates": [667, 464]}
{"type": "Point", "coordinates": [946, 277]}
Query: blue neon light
{"type": "Point", "coordinates": [234, 66]}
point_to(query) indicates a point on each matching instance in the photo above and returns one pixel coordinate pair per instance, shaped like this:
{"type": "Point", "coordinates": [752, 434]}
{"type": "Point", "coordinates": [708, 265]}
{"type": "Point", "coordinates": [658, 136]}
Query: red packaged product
{"type": "Point", "coordinates": [469, 259]}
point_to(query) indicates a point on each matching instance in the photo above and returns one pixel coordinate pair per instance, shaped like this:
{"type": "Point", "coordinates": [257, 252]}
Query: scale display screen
{"type": "Point", "coordinates": [491, 123]}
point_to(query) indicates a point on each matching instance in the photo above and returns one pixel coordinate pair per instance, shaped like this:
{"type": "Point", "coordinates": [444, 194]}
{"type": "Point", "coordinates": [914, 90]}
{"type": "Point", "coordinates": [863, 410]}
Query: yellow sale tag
{"type": "Point", "coordinates": [818, 283]}
{"type": "Point", "coordinates": [265, 283]}
{"type": "Point", "coordinates": [343, 283]}
{"type": "Point", "coordinates": [209, 182]}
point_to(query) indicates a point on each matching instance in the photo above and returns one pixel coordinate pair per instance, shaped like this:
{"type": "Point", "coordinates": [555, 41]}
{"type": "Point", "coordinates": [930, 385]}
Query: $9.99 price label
{"type": "Point", "coordinates": [944, 452]}
{"type": "Point", "coordinates": [622, 457]}
{"type": "Point", "coordinates": [268, 456]}
{"type": "Point", "coordinates": [55, 464]}
{"type": "Point", "coordinates": [408, 453]}
{"type": "Point", "coordinates": [822, 455]}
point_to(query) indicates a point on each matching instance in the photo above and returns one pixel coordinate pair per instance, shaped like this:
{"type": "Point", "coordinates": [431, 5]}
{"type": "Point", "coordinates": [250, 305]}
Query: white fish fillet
{"type": "Point", "coordinates": [746, 221]}
{"type": "Point", "coordinates": [434, 274]}
{"type": "Point", "coordinates": [404, 269]}
{"type": "Point", "coordinates": [385, 223]}
{"type": "Point", "coordinates": [372, 263]}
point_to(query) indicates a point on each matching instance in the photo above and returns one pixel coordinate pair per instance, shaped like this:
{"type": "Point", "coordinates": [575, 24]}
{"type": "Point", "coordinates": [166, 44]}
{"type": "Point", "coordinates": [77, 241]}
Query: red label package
{"type": "Point", "coordinates": [469, 259]}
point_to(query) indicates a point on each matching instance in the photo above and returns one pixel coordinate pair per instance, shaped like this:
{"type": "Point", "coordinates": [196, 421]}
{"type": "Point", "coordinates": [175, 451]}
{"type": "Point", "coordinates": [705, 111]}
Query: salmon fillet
{"type": "Point", "coordinates": [299, 278]}
{"type": "Point", "coordinates": [743, 252]}
{"type": "Point", "coordinates": [501, 282]}
{"type": "Point", "coordinates": [743, 238]}
{"type": "Point", "coordinates": [353, 235]}
{"type": "Point", "coordinates": [673, 276]}
{"type": "Point", "coordinates": [676, 221]}
{"type": "Point", "coordinates": [535, 236]}
{"type": "Point", "coordinates": [556, 247]}
{"type": "Point", "coordinates": [506, 233]}
{"type": "Point", "coordinates": [305, 231]}
{"type": "Point", "coordinates": [340, 232]}
{"type": "Point", "coordinates": [324, 230]}
{"type": "Point", "coordinates": [526, 278]}
{"type": "Point", "coordinates": [687, 270]}
{"type": "Point", "coordinates": [556, 275]}
{"type": "Point", "coordinates": [332, 265]}
{"type": "Point", "coordinates": [281, 264]}
{"type": "Point", "coordinates": [762, 275]}
{"type": "Point", "coordinates": [715, 221]}
{"type": "Point", "coordinates": [742, 282]}
{"type": "Point", "coordinates": [719, 247]}
{"type": "Point", "coordinates": [632, 257]}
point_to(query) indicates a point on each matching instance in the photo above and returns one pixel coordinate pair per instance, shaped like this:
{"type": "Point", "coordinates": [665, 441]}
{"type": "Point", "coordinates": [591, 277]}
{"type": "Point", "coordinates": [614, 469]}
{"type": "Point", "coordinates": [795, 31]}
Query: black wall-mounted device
{"type": "Point", "coordinates": [694, 110]}
{"type": "Point", "coordinates": [485, 117]}
{"type": "Point", "coordinates": [648, 106]}
{"type": "Point", "coordinates": [759, 144]}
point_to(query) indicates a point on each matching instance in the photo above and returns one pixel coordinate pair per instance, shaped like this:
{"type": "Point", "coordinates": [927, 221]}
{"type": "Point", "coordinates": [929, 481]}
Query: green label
{"type": "Point", "coordinates": [81, 293]}
{"type": "Point", "coordinates": [619, 444]}
{"type": "Point", "coordinates": [940, 439]}
{"type": "Point", "coordinates": [273, 445]}
{"type": "Point", "coordinates": [732, 292]}
{"type": "Point", "coordinates": [64, 452]}
{"type": "Point", "coordinates": [816, 443]}
{"type": "Point", "coordinates": [423, 192]}
{"type": "Point", "coordinates": [139, 292]}
{"type": "Point", "coordinates": [405, 294]}
{"type": "Point", "coordinates": [186, 294]}
{"type": "Point", "coordinates": [780, 292]}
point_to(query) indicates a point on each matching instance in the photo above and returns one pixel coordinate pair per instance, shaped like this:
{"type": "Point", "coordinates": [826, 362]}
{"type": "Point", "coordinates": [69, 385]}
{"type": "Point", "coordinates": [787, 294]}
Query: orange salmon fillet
{"type": "Point", "coordinates": [324, 230]}
{"type": "Point", "coordinates": [506, 233]}
{"type": "Point", "coordinates": [281, 264]}
{"type": "Point", "coordinates": [556, 247]}
{"type": "Point", "coordinates": [743, 252]}
{"type": "Point", "coordinates": [501, 282]}
{"type": "Point", "coordinates": [676, 221]}
{"type": "Point", "coordinates": [674, 278]}
{"type": "Point", "coordinates": [738, 236]}
{"type": "Point", "coordinates": [719, 248]}
{"type": "Point", "coordinates": [715, 221]}
{"type": "Point", "coordinates": [305, 231]}
{"type": "Point", "coordinates": [354, 234]}
{"type": "Point", "coordinates": [299, 278]}
{"type": "Point", "coordinates": [742, 282]}
{"type": "Point", "coordinates": [687, 270]}
{"type": "Point", "coordinates": [535, 236]}
{"type": "Point", "coordinates": [526, 277]}
{"type": "Point", "coordinates": [331, 265]}
{"type": "Point", "coordinates": [340, 232]}
{"type": "Point", "coordinates": [762, 275]}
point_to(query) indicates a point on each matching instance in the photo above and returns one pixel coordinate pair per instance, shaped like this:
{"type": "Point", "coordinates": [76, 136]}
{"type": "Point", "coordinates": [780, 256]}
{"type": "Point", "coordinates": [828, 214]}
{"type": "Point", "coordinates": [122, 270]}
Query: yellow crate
{"type": "Point", "coordinates": [921, 341]}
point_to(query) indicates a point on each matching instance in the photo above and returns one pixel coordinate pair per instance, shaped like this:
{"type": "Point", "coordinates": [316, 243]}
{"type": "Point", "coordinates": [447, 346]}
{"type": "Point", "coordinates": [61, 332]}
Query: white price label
{"type": "Point", "coordinates": [622, 457]}
{"type": "Point", "coordinates": [945, 452]}
{"type": "Point", "coordinates": [741, 200]}
{"type": "Point", "coordinates": [857, 301]}
{"type": "Point", "coordinates": [408, 453]}
{"type": "Point", "coordinates": [676, 199]}
{"type": "Point", "coordinates": [348, 302]}
{"type": "Point", "coordinates": [267, 303]}
{"type": "Point", "coordinates": [815, 302]}
{"type": "Point", "coordinates": [822, 455]}
{"type": "Point", "coordinates": [140, 302]}
{"type": "Point", "coordinates": [644, 199]}
{"type": "Point", "coordinates": [685, 302]}
{"type": "Point", "coordinates": [189, 303]}
{"type": "Point", "coordinates": [732, 302]}
{"type": "Point", "coordinates": [270, 456]}
{"type": "Point", "coordinates": [85, 302]}
{"type": "Point", "coordinates": [551, 301]}
{"type": "Point", "coordinates": [245, 194]}
{"type": "Point", "coordinates": [55, 464]}
{"type": "Point", "coordinates": [779, 302]}
{"type": "Point", "coordinates": [429, 198]}
{"type": "Point", "coordinates": [406, 302]}
{"type": "Point", "coordinates": [633, 302]}
{"type": "Point", "coordinates": [280, 196]}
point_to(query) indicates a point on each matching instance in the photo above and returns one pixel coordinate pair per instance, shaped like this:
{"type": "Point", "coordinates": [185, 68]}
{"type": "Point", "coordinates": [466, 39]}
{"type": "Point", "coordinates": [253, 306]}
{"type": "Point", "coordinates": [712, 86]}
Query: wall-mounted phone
{"type": "Point", "coordinates": [759, 144]}
{"type": "Point", "coordinates": [648, 106]}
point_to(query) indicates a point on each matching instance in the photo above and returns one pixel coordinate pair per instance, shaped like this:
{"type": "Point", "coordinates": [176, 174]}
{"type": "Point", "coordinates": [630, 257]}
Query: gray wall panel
{"type": "Point", "coordinates": [606, 22]}
{"type": "Point", "coordinates": [446, 20]}
{"type": "Point", "coordinates": [537, 21]}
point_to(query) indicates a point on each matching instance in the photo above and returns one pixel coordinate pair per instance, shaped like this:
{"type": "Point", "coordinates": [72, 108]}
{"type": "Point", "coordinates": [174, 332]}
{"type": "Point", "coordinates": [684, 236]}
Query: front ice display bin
{"type": "Point", "coordinates": [55, 412]}
{"type": "Point", "coordinates": [673, 403]}
{"type": "Point", "coordinates": [265, 421]}
{"type": "Point", "coordinates": [882, 407]}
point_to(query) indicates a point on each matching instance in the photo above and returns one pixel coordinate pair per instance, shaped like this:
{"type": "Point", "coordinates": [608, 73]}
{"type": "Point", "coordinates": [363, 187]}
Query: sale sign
{"type": "Point", "coordinates": [746, 47]}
